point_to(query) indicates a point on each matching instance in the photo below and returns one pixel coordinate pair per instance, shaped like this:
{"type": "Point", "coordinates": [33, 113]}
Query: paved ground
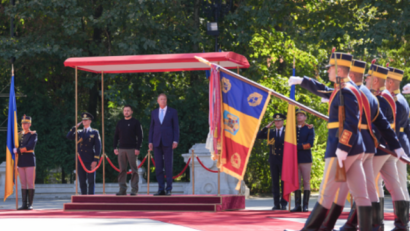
{"type": "Point", "coordinates": [102, 224]}
{"type": "Point", "coordinates": [253, 203]}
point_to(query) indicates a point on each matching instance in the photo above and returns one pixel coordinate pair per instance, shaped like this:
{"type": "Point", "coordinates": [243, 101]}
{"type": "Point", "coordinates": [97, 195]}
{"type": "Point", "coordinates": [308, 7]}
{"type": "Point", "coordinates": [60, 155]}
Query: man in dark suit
{"type": "Point", "coordinates": [275, 138]}
{"type": "Point", "coordinates": [163, 139]}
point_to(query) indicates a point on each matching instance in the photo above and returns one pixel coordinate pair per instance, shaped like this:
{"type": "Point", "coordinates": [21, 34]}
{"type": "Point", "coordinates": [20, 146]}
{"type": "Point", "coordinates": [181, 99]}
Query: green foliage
{"type": "Point", "coordinates": [269, 33]}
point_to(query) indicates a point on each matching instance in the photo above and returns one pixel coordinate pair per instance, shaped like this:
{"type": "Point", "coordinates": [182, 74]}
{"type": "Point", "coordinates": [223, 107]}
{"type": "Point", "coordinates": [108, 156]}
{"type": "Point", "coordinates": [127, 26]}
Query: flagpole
{"type": "Point", "coordinates": [292, 89]}
{"type": "Point", "coordinates": [272, 92]}
{"type": "Point", "coordinates": [15, 158]}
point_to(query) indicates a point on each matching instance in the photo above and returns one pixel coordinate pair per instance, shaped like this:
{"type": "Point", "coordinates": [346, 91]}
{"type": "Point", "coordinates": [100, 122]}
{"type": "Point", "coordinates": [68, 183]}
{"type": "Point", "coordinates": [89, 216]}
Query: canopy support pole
{"type": "Point", "coordinates": [76, 132]}
{"type": "Point", "coordinates": [103, 130]}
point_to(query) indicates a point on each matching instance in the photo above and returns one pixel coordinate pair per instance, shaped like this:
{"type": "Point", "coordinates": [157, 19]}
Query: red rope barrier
{"type": "Point", "coordinates": [207, 169]}
{"type": "Point", "coordinates": [183, 170]}
{"type": "Point", "coordinates": [116, 169]}
{"type": "Point", "coordinates": [85, 169]}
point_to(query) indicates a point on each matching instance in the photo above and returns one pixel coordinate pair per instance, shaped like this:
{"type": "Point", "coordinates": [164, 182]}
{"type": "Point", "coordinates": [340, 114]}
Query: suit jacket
{"type": "Point", "coordinates": [352, 141]}
{"type": "Point", "coordinates": [305, 138]}
{"type": "Point", "coordinates": [276, 150]}
{"type": "Point", "coordinates": [167, 132]}
{"type": "Point", "coordinates": [89, 146]}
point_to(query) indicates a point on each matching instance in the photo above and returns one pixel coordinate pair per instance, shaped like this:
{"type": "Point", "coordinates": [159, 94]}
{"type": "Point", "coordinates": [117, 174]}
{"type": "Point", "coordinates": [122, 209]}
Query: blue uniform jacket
{"type": "Point", "coordinates": [305, 138]}
{"type": "Point", "coordinates": [167, 132]}
{"type": "Point", "coordinates": [351, 140]}
{"type": "Point", "coordinates": [89, 145]}
{"type": "Point", "coordinates": [276, 150]}
{"type": "Point", "coordinates": [402, 122]}
{"type": "Point", "coordinates": [380, 125]}
{"type": "Point", "coordinates": [28, 141]}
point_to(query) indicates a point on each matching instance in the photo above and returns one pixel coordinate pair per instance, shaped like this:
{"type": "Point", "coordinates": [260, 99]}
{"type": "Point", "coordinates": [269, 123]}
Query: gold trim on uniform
{"type": "Point", "coordinates": [332, 125]}
{"type": "Point", "coordinates": [377, 74]}
{"type": "Point", "coordinates": [364, 126]}
{"type": "Point", "coordinates": [346, 135]}
{"type": "Point", "coordinates": [306, 146]}
{"type": "Point", "coordinates": [340, 62]}
{"type": "Point", "coordinates": [96, 157]}
{"type": "Point", "coordinates": [401, 129]}
{"type": "Point", "coordinates": [360, 70]}
{"type": "Point", "coordinates": [395, 76]}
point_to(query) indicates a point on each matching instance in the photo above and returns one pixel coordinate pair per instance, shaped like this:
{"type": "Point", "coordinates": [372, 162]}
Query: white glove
{"type": "Point", "coordinates": [341, 156]}
{"type": "Point", "coordinates": [293, 80]}
{"type": "Point", "coordinates": [406, 89]}
{"type": "Point", "coordinates": [399, 152]}
{"type": "Point", "coordinates": [324, 100]}
{"type": "Point", "coordinates": [14, 150]}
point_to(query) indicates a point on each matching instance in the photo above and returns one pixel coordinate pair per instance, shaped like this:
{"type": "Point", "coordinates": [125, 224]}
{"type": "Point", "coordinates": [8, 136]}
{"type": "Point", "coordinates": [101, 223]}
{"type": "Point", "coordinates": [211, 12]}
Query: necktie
{"type": "Point", "coordinates": [161, 115]}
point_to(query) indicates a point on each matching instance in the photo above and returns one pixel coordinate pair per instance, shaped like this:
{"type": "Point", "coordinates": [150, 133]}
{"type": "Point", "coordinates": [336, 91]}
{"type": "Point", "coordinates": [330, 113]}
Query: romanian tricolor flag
{"type": "Point", "coordinates": [12, 142]}
{"type": "Point", "coordinates": [290, 156]}
{"type": "Point", "coordinates": [243, 106]}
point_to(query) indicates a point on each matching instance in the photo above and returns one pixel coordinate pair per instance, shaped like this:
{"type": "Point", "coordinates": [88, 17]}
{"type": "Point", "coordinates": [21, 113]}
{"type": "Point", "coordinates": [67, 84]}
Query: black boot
{"type": "Point", "coordinates": [30, 199]}
{"type": "Point", "coordinates": [331, 217]}
{"type": "Point", "coordinates": [377, 220]}
{"type": "Point", "coordinates": [298, 201]}
{"type": "Point", "coordinates": [401, 215]}
{"type": "Point", "coordinates": [351, 223]}
{"type": "Point", "coordinates": [24, 196]}
{"type": "Point", "coordinates": [315, 218]}
{"type": "Point", "coordinates": [306, 196]}
{"type": "Point", "coordinates": [364, 215]}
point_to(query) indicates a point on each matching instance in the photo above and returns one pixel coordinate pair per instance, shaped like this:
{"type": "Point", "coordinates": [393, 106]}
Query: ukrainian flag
{"type": "Point", "coordinates": [12, 142]}
{"type": "Point", "coordinates": [243, 106]}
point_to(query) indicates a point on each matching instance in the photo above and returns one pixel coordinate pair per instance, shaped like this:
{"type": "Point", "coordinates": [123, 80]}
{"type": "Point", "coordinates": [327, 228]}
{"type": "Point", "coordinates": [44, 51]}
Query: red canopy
{"type": "Point", "coordinates": [156, 63]}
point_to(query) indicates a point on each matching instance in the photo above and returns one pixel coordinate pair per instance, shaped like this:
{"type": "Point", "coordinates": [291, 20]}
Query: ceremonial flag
{"type": "Point", "coordinates": [243, 106]}
{"type": "Point", "coordinates": [290, 176]}
{"type": "Point", "coordinates": [12, 142]}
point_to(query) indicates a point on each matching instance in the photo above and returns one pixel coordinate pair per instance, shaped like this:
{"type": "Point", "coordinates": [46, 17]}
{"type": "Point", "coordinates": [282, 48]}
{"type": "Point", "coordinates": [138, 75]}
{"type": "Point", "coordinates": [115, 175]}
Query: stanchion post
{"type": "Point", "coordinates": [103, 131]}
{"type": "Point", "coordinates": [76, 131]}
{"type": "Point", "coordinates": [219, 173]}
{"type": "Point", "coordinates": [193, 171]}
{"type": "Point", "coordinates": [148, 170]}
{"type": "Point", "coordinates": [290, 201]}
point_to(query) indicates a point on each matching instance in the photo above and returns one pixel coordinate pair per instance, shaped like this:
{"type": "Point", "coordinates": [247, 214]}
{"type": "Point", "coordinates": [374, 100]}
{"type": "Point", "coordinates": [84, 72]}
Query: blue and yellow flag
{"type": "Point", "coordinates": [12, 142]}
{"type": "Point", "coordinates": [243, 106]}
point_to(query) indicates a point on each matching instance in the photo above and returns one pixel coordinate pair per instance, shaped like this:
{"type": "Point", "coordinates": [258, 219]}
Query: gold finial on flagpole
{"type": "Point", "coordinates": [202, 60]}
{"type": "Point", "coordinates": [12, 69]}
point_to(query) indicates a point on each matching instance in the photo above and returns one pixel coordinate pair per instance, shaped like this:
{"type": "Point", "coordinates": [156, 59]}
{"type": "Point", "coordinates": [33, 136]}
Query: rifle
{"type": "Point", "coordinates": [340, 171]}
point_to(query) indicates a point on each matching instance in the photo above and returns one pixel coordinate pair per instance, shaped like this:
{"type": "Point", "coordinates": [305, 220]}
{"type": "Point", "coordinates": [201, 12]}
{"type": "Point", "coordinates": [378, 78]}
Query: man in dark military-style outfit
{"type": "Point", "coordinates": [346, 151]}
{"type": "Point", "coordinates": [89, 148]}
{"type": "Point", "coordinates": [26, 163]}
{"type": "Point", "coordinates": [275, 138]}
{"type": "Point", "coordinates": [394, 78]}
{"type": "Point", "coordinates": [305, 137]}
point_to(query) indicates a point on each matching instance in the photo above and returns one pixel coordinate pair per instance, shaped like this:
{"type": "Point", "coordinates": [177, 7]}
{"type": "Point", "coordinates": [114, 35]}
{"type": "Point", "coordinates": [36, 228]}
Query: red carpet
{"type": "Point", "coordinates": [219, 221]}
{"type": "Point", "coordinates": [192, 203]}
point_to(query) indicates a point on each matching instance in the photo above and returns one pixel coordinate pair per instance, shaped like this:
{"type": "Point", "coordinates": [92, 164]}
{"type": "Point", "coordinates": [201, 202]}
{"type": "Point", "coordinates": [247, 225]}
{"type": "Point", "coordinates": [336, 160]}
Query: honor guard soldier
{"type": "Point", "coordinates": [394, 78]}
{"type": "Point", "coordinates": [26, 163]}
{"type": "Point", "coordinates": [305, 137]}
{"type": "Point", "coordinates": [275, 139]}
{"type": "Point", "coordinates": [374, 127]}
{"type": "Point", "coordinates": [89, 148]}
{"type": "Point", "coordinates": [348, 151]}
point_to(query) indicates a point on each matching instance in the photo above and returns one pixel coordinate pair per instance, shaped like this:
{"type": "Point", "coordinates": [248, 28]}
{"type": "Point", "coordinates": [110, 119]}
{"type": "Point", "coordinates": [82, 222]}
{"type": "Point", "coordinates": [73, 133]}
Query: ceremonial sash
{"type": "Point", "coordinates": [392, 104]}
{"type": "Point", "coordinates": [367, 112]}
{"type": "Point", "coordinates": [359, 100]}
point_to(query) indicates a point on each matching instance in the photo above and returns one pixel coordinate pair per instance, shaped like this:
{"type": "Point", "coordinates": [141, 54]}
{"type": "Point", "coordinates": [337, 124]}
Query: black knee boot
{"type": "Point", "coordinates": [331, 217]}
{"type": "Point", "coordinates": [377, 220]}
{"type": "Point", "coordinates": [30, 198]}
{"type": "Point", "coordinates": [364, 215]}
{"type": "Point", "coordinates": [315, 218]}
{"type": "Point", "coordinates": [351, 223]}
{"type": "Point", "coordinates": [298, 201]}
{"type": "Point", "coordinates": [306, 196]}
{"type": "Point", "coordinates": [24, 196]}
{"type": "Point", "coordinates": [401, 215]}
